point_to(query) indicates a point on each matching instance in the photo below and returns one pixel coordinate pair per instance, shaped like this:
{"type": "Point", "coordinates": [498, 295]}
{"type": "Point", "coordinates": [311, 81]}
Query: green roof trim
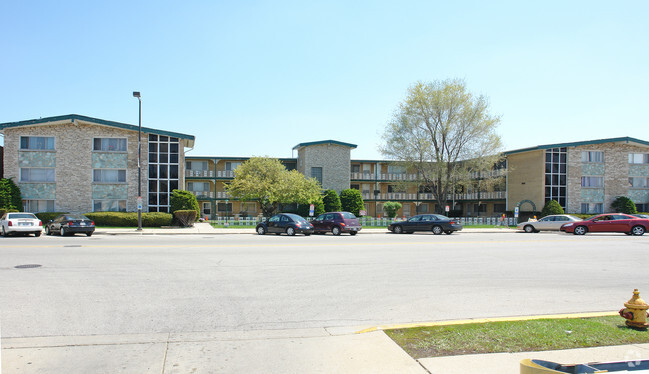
{"type": "Point", "coordinates": [325, 142]}
{"type": "Point", "coordinates": [77, 117]}
{"type": "Point", "coordinates": [625, 139]}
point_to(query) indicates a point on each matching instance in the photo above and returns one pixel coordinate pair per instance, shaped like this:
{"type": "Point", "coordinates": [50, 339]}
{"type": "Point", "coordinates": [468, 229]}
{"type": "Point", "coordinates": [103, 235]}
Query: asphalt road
{"type": "Point", "coordinates": [195, 283]}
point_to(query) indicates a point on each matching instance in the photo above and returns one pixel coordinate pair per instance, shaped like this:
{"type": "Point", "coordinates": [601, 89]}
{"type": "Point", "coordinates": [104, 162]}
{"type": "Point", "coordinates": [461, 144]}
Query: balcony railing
{"type": "Point", "coordinates": [384, 177]}
{"type": "Point", "coordinates": [199, 173]}
{"type": "Point", "coordinates": [209, 173]}
{"type": "Point", "coordinates": [210, 195]}
{"type": "Point", "coordinates": [429, 196]}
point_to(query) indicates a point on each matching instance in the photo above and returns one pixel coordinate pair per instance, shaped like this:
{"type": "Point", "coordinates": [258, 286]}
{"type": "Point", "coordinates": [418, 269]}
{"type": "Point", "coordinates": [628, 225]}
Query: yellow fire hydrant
{"type": "Point", "coordinates": [635, 312]}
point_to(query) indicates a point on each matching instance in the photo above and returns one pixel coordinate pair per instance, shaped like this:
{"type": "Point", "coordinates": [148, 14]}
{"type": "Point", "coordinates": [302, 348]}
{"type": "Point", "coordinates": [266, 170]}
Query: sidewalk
{"type": "Point", "coordinates": [303, 351]}
{"type": "Point", "coordinates": [205, 228]}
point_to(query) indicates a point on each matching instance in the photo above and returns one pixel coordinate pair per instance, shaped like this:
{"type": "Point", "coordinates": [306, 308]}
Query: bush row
{"type": "Point", "coordinates": [118, 219]}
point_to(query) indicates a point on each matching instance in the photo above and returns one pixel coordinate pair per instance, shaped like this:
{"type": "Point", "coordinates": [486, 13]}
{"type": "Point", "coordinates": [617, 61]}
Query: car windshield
{"type": "Point", "coordinates": [347, 215]}
{"type": "Point", "coordinates": [21, 215]}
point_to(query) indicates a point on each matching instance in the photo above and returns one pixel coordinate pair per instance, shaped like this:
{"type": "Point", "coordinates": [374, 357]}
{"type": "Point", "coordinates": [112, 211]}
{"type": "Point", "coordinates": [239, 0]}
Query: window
{"type": "Point", "coordinates": [37, 143]}
{"type": "Point", "coordinates": [639, 182]}
{"type": "Point", "coordinates": [223, 207]}
{"type": "Point", "coordinates": [317, 174]}
{"type": "Point", "coordinates": [592, 156]}
{"type": "Point", "coordinates": [198, 186]}
{"type": "Point", "coordinates": [591, 208]}
{"type": "Point", "coordinates": [196, 165]}
{"type": "Point", "coordinates": [207, 208]}
{"type": "Point", "coordinates": [594, 182]}
{"type": "Point", "coordinates": [500, 208]}
{"type": "Point", "coordinates": [422, 208]}
{"type": "Point", "coordinates": [110, 144]}
{"type": "Point", "coordinates": [556, 175]}
{"type": "Point", "coordinates": [37, 175]}
{"type": "Point", "coordinates": [36, 206]}
{"type": "Point", "coordinates": [638, 158]}
{"type": "Point", "coordinates": [356, 168]}
{"type": "Point", "coordinates": [109, 175]}
{"type": "Point", "coordinates": [109, 205]}
{"type": "Point", "coordinates": [230, 166]}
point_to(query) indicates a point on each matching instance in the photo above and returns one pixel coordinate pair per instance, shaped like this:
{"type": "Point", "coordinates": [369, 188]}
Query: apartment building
{"type": "Point", "coordinates": [81, 164]}
{"type": "Point", "coordinates": [75, 163]}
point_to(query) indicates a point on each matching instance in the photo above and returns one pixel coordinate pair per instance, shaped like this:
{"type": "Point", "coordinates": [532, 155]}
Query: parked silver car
{"type": "Point", "coordinates": [547, 223]}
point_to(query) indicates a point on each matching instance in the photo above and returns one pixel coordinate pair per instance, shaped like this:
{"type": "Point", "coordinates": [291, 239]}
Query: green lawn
{"type": "Point", "coordinates": [516, 336]}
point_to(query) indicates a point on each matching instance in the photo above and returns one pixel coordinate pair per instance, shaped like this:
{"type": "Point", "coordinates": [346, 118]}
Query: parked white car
{"type": "Point", "coordinates": [20, 223]}
{"type": "Point", "coordinates": [547, 223]}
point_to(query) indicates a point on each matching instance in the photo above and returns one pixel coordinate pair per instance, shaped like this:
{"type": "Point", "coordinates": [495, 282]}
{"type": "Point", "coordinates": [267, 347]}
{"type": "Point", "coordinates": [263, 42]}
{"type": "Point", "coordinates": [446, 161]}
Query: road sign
{"type": "Point", "coordinates": [516, 212]}
{"type": "Point", "coordinates": [447, 208]}
{"type": "Point", "coordinates": [362, 213]}
{"type": "Point", "coordinates": [311, 210]}
{"type": "Point", "coordinates": [139, 203]}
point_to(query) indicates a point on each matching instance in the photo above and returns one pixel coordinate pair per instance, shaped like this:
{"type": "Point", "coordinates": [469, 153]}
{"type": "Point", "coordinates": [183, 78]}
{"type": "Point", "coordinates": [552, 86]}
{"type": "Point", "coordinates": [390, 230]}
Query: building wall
{"type": "Point", "coordinates": [73, 159]}
{"type": "Point", "coordinates": [526, 179]}
{"type": "Point", "coordinates": [334, 160]}
{"type": "Point", "coordinates": [615, 171]}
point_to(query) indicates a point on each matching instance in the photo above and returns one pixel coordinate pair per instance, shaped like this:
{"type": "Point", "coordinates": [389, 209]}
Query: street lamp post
{"type": "Point", "coordinates": [139, 160]}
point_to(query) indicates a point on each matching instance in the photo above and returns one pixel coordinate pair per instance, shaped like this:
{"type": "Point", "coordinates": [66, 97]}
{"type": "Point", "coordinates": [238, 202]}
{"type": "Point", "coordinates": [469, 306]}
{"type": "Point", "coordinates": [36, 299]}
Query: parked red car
{"type": "Point", "coordinates": [610, 222]}
{"type": "Point", "coordinates": [336, 223]}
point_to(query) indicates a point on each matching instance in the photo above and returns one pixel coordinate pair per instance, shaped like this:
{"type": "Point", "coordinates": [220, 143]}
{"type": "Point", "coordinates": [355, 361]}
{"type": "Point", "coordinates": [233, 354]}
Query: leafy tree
{"type": "Point", "coordinates": [183, 200]}
{"type": "Point", "coordinates": [331, 201]}
{"type": "Point", "coordinates": [391, 208]}
{"type": "Point", "coordinates": [446, 136]}
{"type": "Point", "coordinates": [623, 204]}
{"type": "Point", "coordinates": [318, 208]}
{"type": "Point", "coordinates": [10, 197]}
{"type": "Point", "coordinates": [351, 201]}
{"type": "Point", "coordinates": [551, 207]}
{"type": "Point", "coordinates": [267, 181]}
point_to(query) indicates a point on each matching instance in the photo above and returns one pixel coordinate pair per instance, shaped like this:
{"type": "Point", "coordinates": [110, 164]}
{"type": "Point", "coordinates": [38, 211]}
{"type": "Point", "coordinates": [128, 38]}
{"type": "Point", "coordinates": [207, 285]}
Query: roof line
{"type": "Point", "coordinates": [625, 139]}
{"type": "Point", "coordinates": [325, 142]}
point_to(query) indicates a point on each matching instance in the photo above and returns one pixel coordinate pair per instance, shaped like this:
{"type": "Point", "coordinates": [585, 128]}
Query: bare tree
{"type": "Point", "coordinates": [445, 135]}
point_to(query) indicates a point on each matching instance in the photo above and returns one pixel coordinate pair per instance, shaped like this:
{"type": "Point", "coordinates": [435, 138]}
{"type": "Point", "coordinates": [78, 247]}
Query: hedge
{"type": "Point", "coordinates": [122, 219]}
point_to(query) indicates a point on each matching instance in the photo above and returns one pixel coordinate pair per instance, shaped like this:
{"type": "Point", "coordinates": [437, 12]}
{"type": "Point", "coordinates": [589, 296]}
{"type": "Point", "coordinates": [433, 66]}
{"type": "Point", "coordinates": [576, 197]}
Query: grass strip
{"type": "Point", "coordinates": [516, 336]}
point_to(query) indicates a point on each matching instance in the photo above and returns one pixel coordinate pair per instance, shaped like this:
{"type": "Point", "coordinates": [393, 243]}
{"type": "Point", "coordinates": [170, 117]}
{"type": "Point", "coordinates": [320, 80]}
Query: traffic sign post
{"type": "Point", "coordinates": [311, 210]}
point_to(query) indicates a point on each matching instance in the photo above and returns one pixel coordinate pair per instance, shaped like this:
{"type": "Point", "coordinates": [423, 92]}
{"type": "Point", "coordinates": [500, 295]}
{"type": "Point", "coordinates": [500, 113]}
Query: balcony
{"type": "Point", "coordinates": [383, 177]}
{"type": "Point", "coordinates": [199, 173]}
{"type": "Point", "coordinates": [202, 195]}
{"type": "Point", "coordinates": [402, 196]}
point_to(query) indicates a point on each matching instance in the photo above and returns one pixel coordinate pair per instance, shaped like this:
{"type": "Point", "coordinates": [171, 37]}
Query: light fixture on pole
{"type": "Point", "coordinates": [139, 160]}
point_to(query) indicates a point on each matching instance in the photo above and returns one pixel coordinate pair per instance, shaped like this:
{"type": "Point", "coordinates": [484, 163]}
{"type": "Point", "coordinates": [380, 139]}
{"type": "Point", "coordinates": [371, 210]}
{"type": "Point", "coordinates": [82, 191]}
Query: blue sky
{"type": "Point", "coordinates": [258, 77]}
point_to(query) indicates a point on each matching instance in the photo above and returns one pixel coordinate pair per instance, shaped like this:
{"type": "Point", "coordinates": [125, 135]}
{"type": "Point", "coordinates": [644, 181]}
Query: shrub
{"type": "Point", "coordinates": [331, 201]}
{"type": "Point", "coordinates": [124, 219]}
{"type": "Point", "coordinates": [45, 217]}
{"type": "Point", "coordinates": [351, 201]}
{"type": "Point", "coordinates": [318, 208]}
{"type": "Point", "coordinates": [391, 208]}
{"type": "Point", "coordinates": [623, 204]}
{"type": "Point", "coordinates": [550, 208]}
{"type": "Point", "coordinates": [186, 218]}
{"type": "Point", "coordinates": [10, 198]}
{"type": "Point", "coordinates": [183, 200]}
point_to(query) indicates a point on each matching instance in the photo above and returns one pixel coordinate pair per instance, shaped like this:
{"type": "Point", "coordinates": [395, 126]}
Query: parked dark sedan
{"type": "Point", "coordinates": [285, 223]}
{"type": "Point", "coordinates": [610, 222]}
{"type": "Point", "coordinates": [426, 222]}
{"type": "Point", "coordinates": [336, 223]}
{"type": "Point", "coordinates": [70, 224]}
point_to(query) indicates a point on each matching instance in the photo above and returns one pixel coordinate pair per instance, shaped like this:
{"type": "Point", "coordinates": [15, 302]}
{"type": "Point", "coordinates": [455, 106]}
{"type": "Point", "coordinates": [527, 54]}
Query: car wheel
{"type": "Point", "coordinates": [580, 230]}
{"type": "Point", "coordinates": [437, 230]}
{"type": "Point", "coordinates": [528, 229]}
{"type": "Point", "coordinates": [449, 232]}
{"type": "Point", "coordinates": [261, 230]}
{"type": "Point", "coordinates": [62, 232]}
{"type": "Point", "coordinates": [88, 234]}
{"type": "Point", "coordinates": [47, 230]}
{"type": "Point", "coordinates": [352, 233]}
{"type": "Point", "coordinates": [335, 230]}
{"type": "Point", "coordinates": [37, 234]}
{"type": "Point", "coordinates": [290, 231]}
{"type": "Point", "coordinates": [397, 230]}
{"type": "Point", "coordinates": [637, 230]}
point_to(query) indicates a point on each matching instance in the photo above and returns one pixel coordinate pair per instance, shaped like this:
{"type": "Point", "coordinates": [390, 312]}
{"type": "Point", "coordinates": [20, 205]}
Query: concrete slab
{"type": "Point", "coordinates": [509, 363]}
{"type": "Point", "coordinates": [372, 353]}
{"type": "Point", "coordinates": [83, 359]}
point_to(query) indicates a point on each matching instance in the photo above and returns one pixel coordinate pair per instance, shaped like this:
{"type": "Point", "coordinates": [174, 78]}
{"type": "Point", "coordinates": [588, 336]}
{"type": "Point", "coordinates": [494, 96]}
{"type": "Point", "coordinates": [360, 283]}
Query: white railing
{"type": "Point", "coordinates": [429, 196]}
{"type": "Point", "coordinates": [225, 174]}
{"type": "Point", "coordinates": [384, 177]}
{"type": "Point", "coordinates": [199, 173]}
{"type": "Point", "coordinates": [203, 194]}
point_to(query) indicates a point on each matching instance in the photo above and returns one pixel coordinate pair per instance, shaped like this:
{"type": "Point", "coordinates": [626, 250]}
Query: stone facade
{"type": "Point", "coordinates": [615, 171]}
{"type": "Point", "coordinates": [334, 159]}
{"type": "Point", "coordinates": [74, 160]}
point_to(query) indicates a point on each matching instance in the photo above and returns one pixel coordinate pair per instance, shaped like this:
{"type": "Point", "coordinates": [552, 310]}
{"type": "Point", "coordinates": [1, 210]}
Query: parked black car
{"type": "Point", "coordinates": [70, 224]}
{"type": "Point", "coordinates": [285, 223]}
{"type": "Point", "coordinates": [426, 222]}
{"type": "Point", "coordinates": [336, 223]}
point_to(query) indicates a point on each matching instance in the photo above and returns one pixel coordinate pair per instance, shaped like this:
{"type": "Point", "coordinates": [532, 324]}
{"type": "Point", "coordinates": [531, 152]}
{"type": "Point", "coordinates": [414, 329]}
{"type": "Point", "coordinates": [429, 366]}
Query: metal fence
{"type": "Point", "coordinates": [371, 221]}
